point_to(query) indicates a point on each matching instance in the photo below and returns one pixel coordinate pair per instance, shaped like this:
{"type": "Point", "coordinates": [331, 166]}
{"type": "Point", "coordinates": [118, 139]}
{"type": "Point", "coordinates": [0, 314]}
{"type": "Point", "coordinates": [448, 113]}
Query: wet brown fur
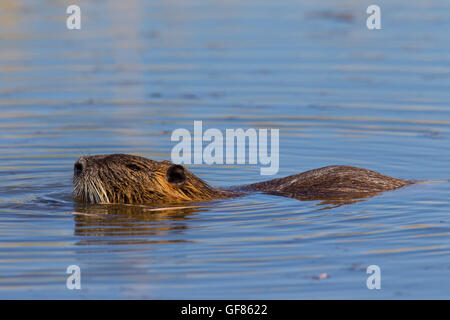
{"type": "Point", "coordinates": [120, 178]}
{"type": "Point", "coordinates": [129, 179]}
{"type": "Point", "coordinates": [329, 183]}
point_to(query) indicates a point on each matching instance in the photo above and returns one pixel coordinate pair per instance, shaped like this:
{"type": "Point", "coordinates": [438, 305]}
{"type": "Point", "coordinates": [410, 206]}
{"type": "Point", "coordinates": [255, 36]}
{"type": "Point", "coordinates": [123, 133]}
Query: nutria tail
{"type": "Point", "coordinates": [332, 182]}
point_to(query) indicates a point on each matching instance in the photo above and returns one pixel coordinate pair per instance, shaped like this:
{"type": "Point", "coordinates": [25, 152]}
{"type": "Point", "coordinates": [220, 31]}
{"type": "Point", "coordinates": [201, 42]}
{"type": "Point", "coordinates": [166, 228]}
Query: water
{"type": "Point", "coordinates": [339, 93]}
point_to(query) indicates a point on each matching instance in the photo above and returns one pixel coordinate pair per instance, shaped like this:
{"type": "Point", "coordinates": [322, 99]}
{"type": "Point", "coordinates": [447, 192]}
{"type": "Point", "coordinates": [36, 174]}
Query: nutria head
{"type": "Point", "coordinates": [122, 178]}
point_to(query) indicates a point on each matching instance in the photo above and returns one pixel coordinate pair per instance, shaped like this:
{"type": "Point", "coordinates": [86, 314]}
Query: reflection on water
{"type": "Point", "coordinates": [124, 224]}
{"type": "Point", "coordinates": [137, 70]}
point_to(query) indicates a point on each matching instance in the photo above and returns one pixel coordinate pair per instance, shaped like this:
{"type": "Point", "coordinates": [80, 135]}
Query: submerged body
{"type": "Point", "coordinates": [128, 179]}
{"type": "Point", "coordinates": [329, 183]}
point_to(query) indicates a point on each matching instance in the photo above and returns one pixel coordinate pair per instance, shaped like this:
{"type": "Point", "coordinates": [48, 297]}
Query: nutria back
{"type": "Point", "coordinates": [129, 179]}
{"type": "Point", "coordinates": [332, 182]}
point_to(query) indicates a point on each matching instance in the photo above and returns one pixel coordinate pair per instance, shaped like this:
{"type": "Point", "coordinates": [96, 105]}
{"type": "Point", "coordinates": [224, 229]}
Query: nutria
{"type": "Point", "coordinates": [129, 179]}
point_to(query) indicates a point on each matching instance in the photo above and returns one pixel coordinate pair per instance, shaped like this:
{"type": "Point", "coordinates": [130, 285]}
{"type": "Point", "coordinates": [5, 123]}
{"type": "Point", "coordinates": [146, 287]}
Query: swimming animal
{"type": "Point", "coordinates": [130, 179]}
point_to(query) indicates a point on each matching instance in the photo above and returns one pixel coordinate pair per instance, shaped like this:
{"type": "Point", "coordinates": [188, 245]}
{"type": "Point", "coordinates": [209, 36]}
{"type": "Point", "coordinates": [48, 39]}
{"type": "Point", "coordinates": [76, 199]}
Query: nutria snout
{"type": "Point", "coordinates": [129, 179]}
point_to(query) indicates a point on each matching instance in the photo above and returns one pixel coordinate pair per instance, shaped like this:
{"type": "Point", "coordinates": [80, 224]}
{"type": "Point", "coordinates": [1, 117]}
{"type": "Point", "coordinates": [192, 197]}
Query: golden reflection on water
{"type": "Point", "coordinates": [131, 221]}
{"type": "Point", "coordinates": [406, 249]}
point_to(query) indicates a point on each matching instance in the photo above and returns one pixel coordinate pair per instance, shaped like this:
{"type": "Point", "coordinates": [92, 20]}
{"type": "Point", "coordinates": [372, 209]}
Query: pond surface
{"type": "Point", "coordinates": [137, 70]}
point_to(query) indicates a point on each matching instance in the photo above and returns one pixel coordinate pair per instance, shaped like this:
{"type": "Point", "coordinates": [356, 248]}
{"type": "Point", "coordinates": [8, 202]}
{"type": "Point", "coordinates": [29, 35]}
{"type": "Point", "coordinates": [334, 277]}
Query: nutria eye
{"type": "Point", "coordinates": [176, 175]}
{"type": "Point", "coordinates": [133, 167]}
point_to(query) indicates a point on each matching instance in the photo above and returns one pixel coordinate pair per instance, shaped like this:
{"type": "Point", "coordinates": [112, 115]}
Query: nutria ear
{"type": "Point", "coordinates": [175, 174]}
